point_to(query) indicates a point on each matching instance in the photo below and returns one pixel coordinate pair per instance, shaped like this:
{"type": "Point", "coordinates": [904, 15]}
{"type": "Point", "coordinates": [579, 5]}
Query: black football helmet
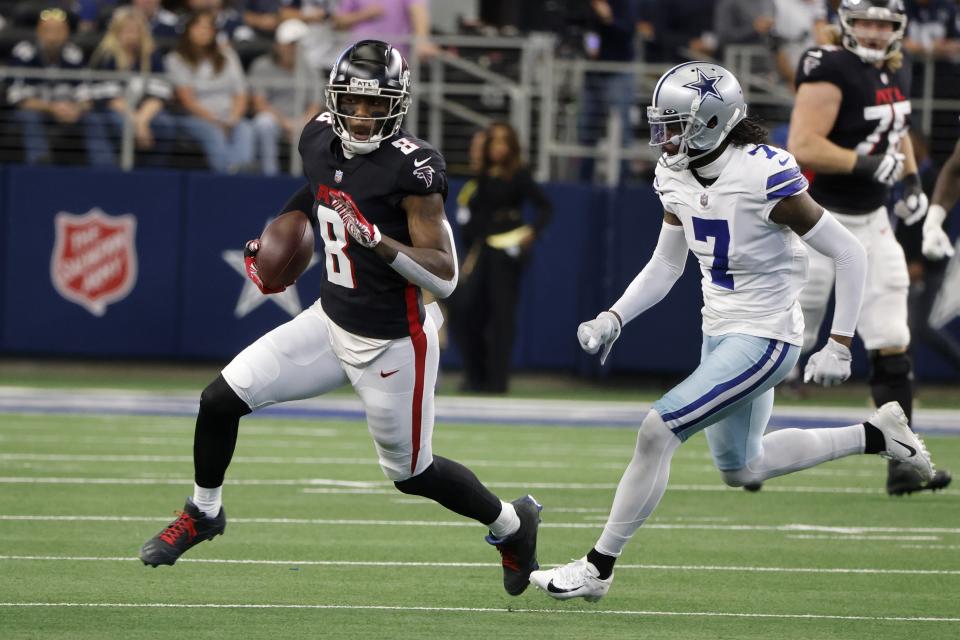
{"type": "Point", "coordinates": [887, 10]}
{"type": "Point", "coordinates": [369, 68]}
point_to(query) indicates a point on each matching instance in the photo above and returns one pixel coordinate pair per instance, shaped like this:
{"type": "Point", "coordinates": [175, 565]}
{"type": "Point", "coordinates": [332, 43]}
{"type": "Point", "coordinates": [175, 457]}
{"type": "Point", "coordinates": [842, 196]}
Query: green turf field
{"type": "Point", "coordinates": [319, 545]}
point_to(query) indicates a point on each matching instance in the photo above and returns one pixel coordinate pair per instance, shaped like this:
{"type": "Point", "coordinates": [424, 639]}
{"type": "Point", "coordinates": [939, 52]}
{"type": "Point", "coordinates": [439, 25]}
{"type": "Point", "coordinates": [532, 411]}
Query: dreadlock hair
{"type": "Point", "coordinates": [748, 131]}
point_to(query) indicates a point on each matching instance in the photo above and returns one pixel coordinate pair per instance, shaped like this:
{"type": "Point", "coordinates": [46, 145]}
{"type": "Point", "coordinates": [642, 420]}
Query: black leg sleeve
{"type": "Point", "coordinates": [891, 378]}
{"type": "Point", "coordinates": [456, 488]}
{"type": "Point", "coordinates": [215, 436]}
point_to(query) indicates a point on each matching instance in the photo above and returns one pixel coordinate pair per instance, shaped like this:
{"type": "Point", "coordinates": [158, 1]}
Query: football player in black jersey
{"type": "Point", "coordinates": [375, 196]}
{"type": "Point", "coordinates": [849, 127]}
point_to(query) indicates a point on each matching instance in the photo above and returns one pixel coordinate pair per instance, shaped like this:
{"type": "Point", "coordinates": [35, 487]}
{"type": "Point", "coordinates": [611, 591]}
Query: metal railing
{"type": "Point", "coordinates": [541, 95]}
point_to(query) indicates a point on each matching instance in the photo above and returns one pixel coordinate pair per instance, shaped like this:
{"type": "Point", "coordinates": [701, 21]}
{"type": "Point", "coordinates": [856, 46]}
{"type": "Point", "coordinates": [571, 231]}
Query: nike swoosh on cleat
{"type": "Point", "coordinates": [912, 451]}
{"type": "Point", "coordinates": [420, 163]}
{"type": "Point", "coordinates": [388, 373]}
{"type": "Point", "coordinates": [552, 588]}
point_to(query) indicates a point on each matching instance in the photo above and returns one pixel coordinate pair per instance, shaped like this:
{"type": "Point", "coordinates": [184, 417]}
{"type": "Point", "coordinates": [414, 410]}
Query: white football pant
{"type": "Point", "coordinates": [296, 361]}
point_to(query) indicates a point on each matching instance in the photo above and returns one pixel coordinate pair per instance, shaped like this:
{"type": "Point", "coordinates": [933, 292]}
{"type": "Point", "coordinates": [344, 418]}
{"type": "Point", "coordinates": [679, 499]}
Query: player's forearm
{"type": "Point", "coordinates": [432, 269]}
{"type": "Point", "coordinates": [833, 240]}
{"type": "Point", "coordinates": [947, 190]}
{"type": "Point", "coordinates": [909, 159]}
{"type": "Point", "coordinates": [656, 279]}
{"type": "Point", "coordinates": [817, 153]}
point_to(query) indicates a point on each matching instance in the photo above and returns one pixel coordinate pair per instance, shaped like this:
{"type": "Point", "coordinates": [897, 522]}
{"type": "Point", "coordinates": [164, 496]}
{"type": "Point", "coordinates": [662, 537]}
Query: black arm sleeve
{"type": "Point", "coordinates": [302, 200]}
{"type": "Point", "coordinates": [540, 201]}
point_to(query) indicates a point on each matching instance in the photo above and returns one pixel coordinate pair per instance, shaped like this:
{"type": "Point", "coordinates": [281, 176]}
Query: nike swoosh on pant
{"type": "Point", "coordinates": [388, 373]}
{"type": "Point", "coordinates": [912, 451]}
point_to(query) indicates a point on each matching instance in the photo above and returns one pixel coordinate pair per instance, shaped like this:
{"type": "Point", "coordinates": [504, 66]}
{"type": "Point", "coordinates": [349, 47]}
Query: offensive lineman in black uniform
{"type": "Point", "coordinates": [375, 196]}
{"type": "Point", "coordinates": [849, 126]}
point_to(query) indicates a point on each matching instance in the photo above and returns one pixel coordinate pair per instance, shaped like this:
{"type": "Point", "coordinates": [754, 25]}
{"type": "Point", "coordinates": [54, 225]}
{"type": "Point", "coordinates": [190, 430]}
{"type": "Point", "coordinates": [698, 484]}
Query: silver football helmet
{"type": "Point", "coordinates": [885, 10]}
{"type": "Point", "coordinates": [695, 105]}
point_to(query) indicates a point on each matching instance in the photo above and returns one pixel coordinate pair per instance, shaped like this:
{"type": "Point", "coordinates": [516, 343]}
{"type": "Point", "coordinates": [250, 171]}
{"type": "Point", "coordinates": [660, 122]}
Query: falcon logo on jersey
{"type": "Point", "coordinates": [705, 86]}
{"type": "Point", "coordinates": [425, 174]}
{"type": "Point", "coordinates": [94, 261]}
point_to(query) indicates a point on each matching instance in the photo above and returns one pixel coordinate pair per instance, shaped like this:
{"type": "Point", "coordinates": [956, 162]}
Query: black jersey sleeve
{"type": "Point", "coordinates": [820, 64]}
{"type": "Point", "coordinates": [302, 200]}
{"type": "Point", "coordinates": [422, 172]}
{"type": "Point", "coordinates": [317, 125]}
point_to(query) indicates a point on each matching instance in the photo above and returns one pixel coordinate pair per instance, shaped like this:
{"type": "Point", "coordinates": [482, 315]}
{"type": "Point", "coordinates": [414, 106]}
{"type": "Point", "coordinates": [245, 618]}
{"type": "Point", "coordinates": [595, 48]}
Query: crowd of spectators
{"type": "Point", "coordinates": [218, 76]}
{"type": "Point", "coordinates": [226, 76]}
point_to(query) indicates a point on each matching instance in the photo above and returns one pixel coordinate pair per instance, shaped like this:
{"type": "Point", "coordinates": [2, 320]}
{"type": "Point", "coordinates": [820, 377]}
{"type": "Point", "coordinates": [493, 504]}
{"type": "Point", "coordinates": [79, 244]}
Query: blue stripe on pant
{"type": "Point", "coordinates": [734, 370]}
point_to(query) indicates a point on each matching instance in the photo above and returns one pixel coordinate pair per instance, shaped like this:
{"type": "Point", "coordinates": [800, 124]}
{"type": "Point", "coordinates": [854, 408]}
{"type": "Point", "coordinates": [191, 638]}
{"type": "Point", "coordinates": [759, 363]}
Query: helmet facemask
{"type": "Point", "coordinates": [362, 134]}
{"type": "Point", "coordinates": [853, 35]}
{"type": "Point", "coordinates": [693, 136]}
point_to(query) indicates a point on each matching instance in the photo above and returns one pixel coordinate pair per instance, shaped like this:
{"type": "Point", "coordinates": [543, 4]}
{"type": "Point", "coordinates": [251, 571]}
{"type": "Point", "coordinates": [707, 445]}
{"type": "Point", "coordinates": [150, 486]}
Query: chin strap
{"type": "Point", "coordinates": [351, 149]}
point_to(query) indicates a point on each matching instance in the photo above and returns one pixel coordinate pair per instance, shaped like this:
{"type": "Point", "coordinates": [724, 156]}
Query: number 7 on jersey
{"type": "Point", "coordinates": [719, 230]}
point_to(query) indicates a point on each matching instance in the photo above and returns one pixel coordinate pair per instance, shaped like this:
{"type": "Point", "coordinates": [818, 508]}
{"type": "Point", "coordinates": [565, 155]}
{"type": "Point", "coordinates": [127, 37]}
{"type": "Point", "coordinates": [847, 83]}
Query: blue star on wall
{"type": "Point", "coordinates": [705, 86]}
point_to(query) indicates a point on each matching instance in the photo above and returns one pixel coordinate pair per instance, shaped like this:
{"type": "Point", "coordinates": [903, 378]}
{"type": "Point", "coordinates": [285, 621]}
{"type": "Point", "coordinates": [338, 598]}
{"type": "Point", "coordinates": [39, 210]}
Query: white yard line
{"type": "Point", "coordinates": [376, 488]}
{"type": "Point", "coordinates": [490, 565]}
{"type": "Point", "coordinates": [512, 611]}
{"type": "Point", "coordinates": [788, 528]}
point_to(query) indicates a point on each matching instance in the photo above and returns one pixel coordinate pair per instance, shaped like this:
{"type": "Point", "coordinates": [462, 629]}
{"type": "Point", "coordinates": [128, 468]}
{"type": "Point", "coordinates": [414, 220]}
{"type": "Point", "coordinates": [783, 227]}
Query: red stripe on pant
{"type": "Point", "coordinates": [419, 340]}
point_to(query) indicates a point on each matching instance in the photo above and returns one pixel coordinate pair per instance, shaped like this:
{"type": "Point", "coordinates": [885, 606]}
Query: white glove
{"type": "Point", "coordinates": [829, 366]}
{"type": "Point", "coordinates": [885, 169]}
{"type": "Point", "coordinates": [913, 205]}
{"type": "Point", "coordinates": [602, 331]}
{"type": "Point", "coordinates": [936, 242]}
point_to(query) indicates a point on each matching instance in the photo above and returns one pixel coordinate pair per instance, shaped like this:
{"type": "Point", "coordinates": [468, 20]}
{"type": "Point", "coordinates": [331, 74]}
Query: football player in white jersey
{"type": "Point", "coordinates": [741, 207]}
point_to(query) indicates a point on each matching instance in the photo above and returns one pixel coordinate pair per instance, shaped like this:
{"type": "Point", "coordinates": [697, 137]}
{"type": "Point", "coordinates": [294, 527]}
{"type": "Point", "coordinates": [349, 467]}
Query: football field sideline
{"type": "Point", "coordinates": [449, 409]}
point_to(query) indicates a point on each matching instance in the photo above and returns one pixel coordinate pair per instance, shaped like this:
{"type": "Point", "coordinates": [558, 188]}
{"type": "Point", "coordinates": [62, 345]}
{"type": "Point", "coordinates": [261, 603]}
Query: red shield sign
{"type": "Point", "coordinates": [94, 260]}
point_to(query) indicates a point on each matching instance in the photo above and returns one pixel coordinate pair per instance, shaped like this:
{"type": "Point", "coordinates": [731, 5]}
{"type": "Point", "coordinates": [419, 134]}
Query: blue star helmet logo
{"type": "Point", "coordinates": [705, 86]}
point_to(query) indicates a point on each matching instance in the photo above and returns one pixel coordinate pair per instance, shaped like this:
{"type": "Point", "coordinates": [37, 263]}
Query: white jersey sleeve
{"type": "Point", "coordinates": [780, 174]}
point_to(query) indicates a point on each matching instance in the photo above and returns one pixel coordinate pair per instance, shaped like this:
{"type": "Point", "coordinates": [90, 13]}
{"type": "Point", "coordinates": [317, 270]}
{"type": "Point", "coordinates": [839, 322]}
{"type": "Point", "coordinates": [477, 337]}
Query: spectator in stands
{"type": "Point", "coordinates": [128, 46]}
{"type": "Point", "coordinates": [209, 83]}
{"type": "Point", "coordinates": [685, 31]}
{"type": "Point", "coordinates": [743, 22]}
{"type": "Point", "coordinates": [263, 16]}
{"type": "Point", "coordinates": [324, 44]}
{"type": "Point", "coordinates": [483, 311]}
{"type": "Point", "coordinates": [613, 25]}
{"type": "Point", "coordinates": [387, 19]}
{"type": "Point", "coordinates": [45, 106]}
{"type": "Point", "coordinates": [163, 23]}
{"type": "Point", "coordinates": [796, 24]}
{"type": "Point", "coordinates": [227, 21]}
{"type": "Point", "coordinates": [90, 12]}
{"type": "Point", "coordinates": [932, 28]}
{"type": "Point", "coordinates": [277, 107]}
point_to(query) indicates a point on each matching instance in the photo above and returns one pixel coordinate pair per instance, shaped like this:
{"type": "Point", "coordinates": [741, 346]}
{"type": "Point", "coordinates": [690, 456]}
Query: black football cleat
{"type": "Point", "coordinates": [191, 527]}
{"type": "Point", "coordinates": [518, 551]}
{"type": "Point", "coordinates": [753, 487]}
{"type": "Point", "coordinates": [902, 479]}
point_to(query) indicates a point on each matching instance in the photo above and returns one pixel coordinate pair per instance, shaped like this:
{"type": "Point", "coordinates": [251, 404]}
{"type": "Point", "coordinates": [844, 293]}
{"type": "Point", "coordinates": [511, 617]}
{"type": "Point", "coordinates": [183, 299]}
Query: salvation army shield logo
{"type": "Point", "coordinates": [94, 261]}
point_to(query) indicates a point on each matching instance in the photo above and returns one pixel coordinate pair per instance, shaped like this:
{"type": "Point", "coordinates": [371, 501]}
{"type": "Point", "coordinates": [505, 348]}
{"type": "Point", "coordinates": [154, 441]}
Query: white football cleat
{"type": "Point", "coordinates": [577, 579]}
{"type": "Point", "coordinates": [902, 444]}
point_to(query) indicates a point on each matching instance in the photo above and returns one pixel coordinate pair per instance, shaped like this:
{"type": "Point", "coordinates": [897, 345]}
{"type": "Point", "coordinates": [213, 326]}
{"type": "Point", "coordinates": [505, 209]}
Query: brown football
{"type": "Point", "coordinates": [286, 247]}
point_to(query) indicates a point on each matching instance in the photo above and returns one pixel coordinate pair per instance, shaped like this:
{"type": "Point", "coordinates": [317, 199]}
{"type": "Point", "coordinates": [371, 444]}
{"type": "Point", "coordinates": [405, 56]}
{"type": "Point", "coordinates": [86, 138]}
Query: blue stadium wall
{"type": "Point", "coordinates": [184, 300]}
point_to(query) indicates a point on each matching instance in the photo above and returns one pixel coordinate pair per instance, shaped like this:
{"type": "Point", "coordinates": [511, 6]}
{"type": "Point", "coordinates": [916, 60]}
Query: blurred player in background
{"type": "Point", "coordinates": [742, 208]}
{"type": "Point", "coordinates": [376, 195]}
{"type": "Point", "coordinates": [849, 126]}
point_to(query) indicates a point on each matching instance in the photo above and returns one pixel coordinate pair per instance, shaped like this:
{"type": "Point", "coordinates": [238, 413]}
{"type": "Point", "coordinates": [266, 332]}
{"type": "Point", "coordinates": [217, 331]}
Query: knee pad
{"type": "Point", "coordinates": [219, 399]}
{"type": "Point", "coordinates": [892, 370]}
{"type": "Point", "coordinates": [738, 477]}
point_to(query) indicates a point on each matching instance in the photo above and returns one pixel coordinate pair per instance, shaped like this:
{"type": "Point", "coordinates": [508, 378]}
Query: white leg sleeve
{"type": "Point", "coordinates": [790, 450]}
{"type": "Point", "coordinates": [641, 486]}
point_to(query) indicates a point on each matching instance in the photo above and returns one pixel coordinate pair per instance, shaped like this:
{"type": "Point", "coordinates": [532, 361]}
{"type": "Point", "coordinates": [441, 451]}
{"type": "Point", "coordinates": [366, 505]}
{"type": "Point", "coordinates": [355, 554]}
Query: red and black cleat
{"type": "Point", "coordinates": [191, 527]}
{"type": "Point", "coordinates": [518, 552]}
